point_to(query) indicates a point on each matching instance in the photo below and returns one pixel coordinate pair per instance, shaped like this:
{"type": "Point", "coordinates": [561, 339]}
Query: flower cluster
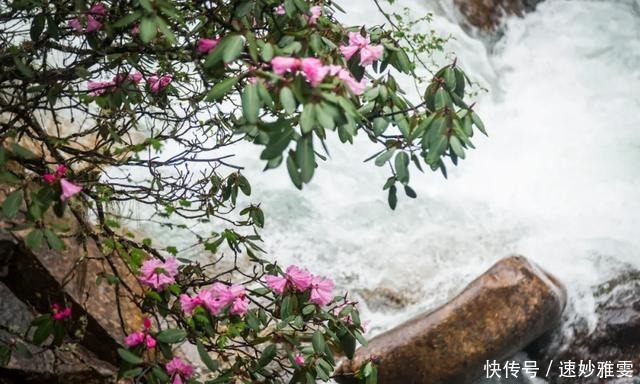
{"type": "Point", "coordinates": [156, 83]}
{"type": "Point", "coordinates": [67, 188]}
{"type": "Point", "coordinates": [140, 337]}
{"type": "Point", "coordinates": [60, 313]}
{"type": "Point", "coordinates": [315, 72]}
{"type": "Point", "coordinates": [298, 279]}
{"type": "Point", "coordinates": [91, 21]}
{"type": "Point", "coordinates": [216, 298]}
{"type": "Point", "coordinates": [358, 43]}
{"type": "Point", "coordinates": [178, 369]}
{"type": "Point", "coordinates": [158, 274]}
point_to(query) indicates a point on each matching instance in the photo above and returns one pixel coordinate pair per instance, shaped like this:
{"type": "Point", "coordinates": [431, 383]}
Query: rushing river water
{"type": "Point", "coordinates": [557, 180]}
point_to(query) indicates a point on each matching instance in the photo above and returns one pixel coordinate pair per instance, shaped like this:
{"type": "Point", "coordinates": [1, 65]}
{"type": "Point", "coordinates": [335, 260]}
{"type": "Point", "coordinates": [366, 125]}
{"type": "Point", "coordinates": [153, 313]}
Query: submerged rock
{"type": "Point", "coordinates": [384, 298]}
{"type": "Point", "coordinates": [495, 316]}
{"type": "Point", "coordinates": [486, 14]}
{"type": "Point", "coordinates": [615, 337]}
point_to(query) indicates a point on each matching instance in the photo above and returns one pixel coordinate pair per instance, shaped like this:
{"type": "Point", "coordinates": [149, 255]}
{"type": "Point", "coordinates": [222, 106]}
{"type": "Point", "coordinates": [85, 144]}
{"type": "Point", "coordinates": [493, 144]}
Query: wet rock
{"type": "Point", "coordinates": [40, 278]}
{"type": "Point", "coordinates": [495, 316]}
{"type": "Point", "coordinates": [486, 14]}
{"type": "Point", "coordinates": [615, 337]}
{"type": "Point", "coordinates": [385, 298]}
{"type": "Point", "coordinates": [32, 364]}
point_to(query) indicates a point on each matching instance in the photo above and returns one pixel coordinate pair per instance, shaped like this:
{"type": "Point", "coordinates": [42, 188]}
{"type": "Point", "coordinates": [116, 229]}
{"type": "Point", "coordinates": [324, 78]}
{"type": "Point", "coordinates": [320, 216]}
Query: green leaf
{"type": "Point", "coordinates": [53, 240]}
{"type": "Point", "coordinates": [380, 125]}
{"type": "Point", "coordinates": [393, 197]}
{"type": "Point", "coordinates": [288, 100]}
{"type": "Point", "coordinates": [37, 26]}
{"type": "Point", "coordinates": [148, 29]}
{"type": "Point", "coordinates": [294, 174]}
{"type": "Point", "coordinates": [478, 122]}
{"type": "Point", "coordinates": [11, 204]}
{"type": "Point", "coordinates": [267, 355]}
{"type": "Point", "coordinates": [456, 146]}
{"type": "Point", "coordinates": [442, 99]}
{"type": "Point", "coordinates": [34, 239]}
{"type": "Point", "coordinates": [278, 142]}
{"type": "Point", "coordinates": [129, 356]}
{"type": "Point", "coordinates": [206, 359]}
{"type": "Point", "coordinates": [384, 157]}
{"type": "Point", "coordinates": [22, 152]}
{"type": "Point", "coordinates": [267, 52]}
{"type": "Point", "coordinates": [402, 167]}
{"type": "Point", "coordinates": [221, 89]}
{"type": "Point", "coordinates": [5, 354]}
{"type": "Point", "coordinates": [171, 336]}
{"type": "Point", "coordinates": [308, 118]}
{"type": "Point", "coordinates": [317, 340]}
{"type": "Point", "coordinates": [449, 79]}
{"type": "Point", "coordinates": [131, 373]}
{"type": "Point", "coordinates": [348, 344]}
{"type": "Point", "coordinates": [305, 158]}
{"type": "Point", "coordinates": [44, 330]}
{"type": "Point", "coordinates": [233, 48]}
{"type": "Point", "coordinates": [251, 103]}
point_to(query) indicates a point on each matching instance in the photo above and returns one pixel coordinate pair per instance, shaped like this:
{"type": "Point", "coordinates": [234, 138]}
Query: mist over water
{"type": "Point", "coordinates": [557, 180]}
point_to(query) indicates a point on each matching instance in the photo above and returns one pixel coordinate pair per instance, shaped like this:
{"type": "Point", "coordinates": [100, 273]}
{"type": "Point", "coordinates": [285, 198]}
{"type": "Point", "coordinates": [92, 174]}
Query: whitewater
{"type": "Point", "coordinates": [557, 180]}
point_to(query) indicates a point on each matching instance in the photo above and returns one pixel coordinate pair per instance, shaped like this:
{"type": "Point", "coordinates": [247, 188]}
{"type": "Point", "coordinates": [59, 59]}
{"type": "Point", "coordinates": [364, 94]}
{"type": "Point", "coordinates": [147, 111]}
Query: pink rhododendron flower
{"type": "Point", "coordinates": [280, 10]}
{"type": "Point", "coordinates": [206, 45]}
{"type": "Point", "coordinates": [68, 189]}
{"type": "Point", "coordinates": [240, 306]}
{"type": "Point", "coordinates": [178, 369]}
{"type": "Point", "coordinates": [60, 314]}
{"type": "Point", "coordinates": [49, 178]}
{"type": "Point", "coordinates": [146, 323]}
{"type": "Point", "coordinates": [61, 170]}
{"type": "Point", "coordinates": [150, 342]}
{"type": "Point", "coordinates": [158, 83]}
{"type": "Point", "coordinates": [98, 9]}
{"type": "Point", "coordinates": [316, 11]}
{"type": "Point", "coordinates": [76, 25]}
{"type": "Point", "coordinates": [92, 24]}
{"type": "Point", "coordinates": [97, 88]}
{"type": "Point", "coordinates": [134, 339]}
{"type": "Point", "coordinates": [276, 283]}
{"type": "Point", "coordinates": [321, 291]}
{"type": "Point", "coordinates": [158, 274]}
{"type": "Point", "coordinates": [188, 304]}
{"type": "Point", "coordinates": [355, 86]}
{"type": "Point", "coordinates": [299, 359]}
{"type": "Point", "coordinates": [368, 53]}
{"type": "Point", "coordinates": [282, 65]}
{"type": "Point", "coordinates": [300, 278]}
{"type": "Point", "coordinates": [135, 30]}
{"type": "Point", "coordinates": [313, 70]}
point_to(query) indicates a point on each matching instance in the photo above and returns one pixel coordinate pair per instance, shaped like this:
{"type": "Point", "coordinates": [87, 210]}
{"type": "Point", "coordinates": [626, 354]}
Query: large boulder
{"type": "Point", "coordinates": [614, 338]}
{"type": "Point", "coordinates": [486, 14]}
{"type": "Point", "coordinates": [496, 315]}
{"type": "Point", "coordinates": [40, 278]}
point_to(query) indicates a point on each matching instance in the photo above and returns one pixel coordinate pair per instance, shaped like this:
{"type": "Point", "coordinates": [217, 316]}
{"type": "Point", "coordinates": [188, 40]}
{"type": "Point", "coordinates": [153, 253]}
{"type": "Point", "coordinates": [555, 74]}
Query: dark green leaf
{"type": "Point", "coordinates": [37, 26]}
{"type": "Point", "coordinates": [129, 356]}
{"type": "Point", "coordinates": [206, 359]}
{"type": "Point", "coordinates": [393, 197]}
{"type": "Point", "coordinates": [34, 239]}
{"type": "Point", "coordinates": [53, 240]}
{"type": "Point", "coordinates": [305, 158]}
{"type": "Point", "coordinates": [267, 355]}
{"type": "Point", "coordinates": [402, 167]}
{"type": "Point", "coordinates": [171, 336]}
{"type": "Point", "coordinates": [317, 340]}
{"type": "Point", "coordinates": [233, 48]}
{"type": "Point", "coordinates": [288, 100]}
{"type": "Point", "coordinates": [221, 89]}
{"type": "Point", "coordinates": [11, 204]}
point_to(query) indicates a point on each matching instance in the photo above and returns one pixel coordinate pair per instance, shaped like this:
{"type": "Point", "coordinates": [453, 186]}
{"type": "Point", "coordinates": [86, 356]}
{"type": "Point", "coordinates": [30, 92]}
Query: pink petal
{"type": "Point", "coordinates": [300, 278]}
{"type": "Point", "coordinates": [276, 283]}
{"type": "Point", "coordinates": [93, 24]}
{"type": "Point", "coordinates": [314, 71]}
{"type": "Point", "coordinates": [68, 189]}
{"type": "Point", "coordinates": [282, 65]}
{"type": "Point", "coordinates": [355, 38]}
{"type": "Point", "coordinates": [206, 45]}
{"type": "Point", "coordinates": [370, 53]}
{"type": "Point", "coordinates": [75, 24]}
{"type": "Point", "coordinates": [349, 50]}
{"type": "Point", "coordinates": [98, 9]}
